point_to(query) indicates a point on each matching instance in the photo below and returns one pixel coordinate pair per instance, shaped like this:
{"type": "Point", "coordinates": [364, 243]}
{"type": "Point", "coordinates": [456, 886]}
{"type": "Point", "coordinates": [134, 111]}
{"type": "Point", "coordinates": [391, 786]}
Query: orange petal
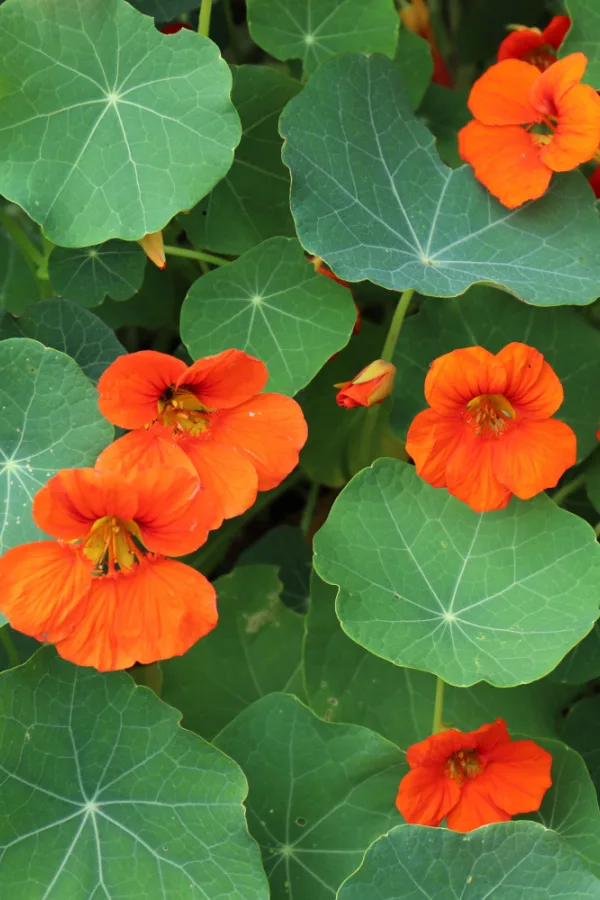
{"type": "Point", "coordinates": [577, 133]}
{"type": "Point", "coordinates": [471, 474]}
{"type": "Point", "coordinates": [532, 456]}
{"type": "Point", "coordinates": [426, 795]}
{"type": "Point", "coordinates": [552, 85]}
{"type": "Point", "coordinates": [459, 376]}
{"type": "Point", "coordinates": [517, 776]}
{"type": "Point", "coordinates": [474, 808]}
{"type": "Point", "coordinates": [506, 161]}
{"type": "Point", "coordinates": [430, 441]}
{"type": "Point", "coordinates": [518, 44]}
{"type": "Point", "coordinates": [556, 30]}
{"type": "Point", "coordinates": [269, 430]}
{"type": "Point", "coordinates": [153, 246]}
{"type": "Point", "coordinates": [225, 380]}
{"type": "Point", "coordinates": [228, 477]}
{"type": "Point", "coordinates": [44, 589]}
{"type": "Point", "coordinates": [132, 385]}
{"type": "Point", "coordinates": [502, 95]}
{"type": "Point", "coordinates": [532, 386]}
{"type": "Point", "coordinates": [74, 499]}
{"type": "Point", "coordinates": [170, 519]}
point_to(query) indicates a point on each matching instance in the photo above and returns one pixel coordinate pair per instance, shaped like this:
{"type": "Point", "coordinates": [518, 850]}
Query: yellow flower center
{"type": "Point", "coordinates": [182, 411]}
{"type": "Point", "coordinates": [464, 764]}
{"type": "Point", "coordinates": [111, 545]}
{"type": "Point", "coordinates": [490, 414]}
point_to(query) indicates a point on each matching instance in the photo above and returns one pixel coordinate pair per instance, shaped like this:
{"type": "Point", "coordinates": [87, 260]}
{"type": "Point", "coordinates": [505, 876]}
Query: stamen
{"type": "Point", "coordinates": [182, 411]}
{"type": "Point", "coordinates": [463, 764]}
{"type": "Point", "coordinates": [489, 414]}
{"type": "Point", "coordinates": [111, 545]}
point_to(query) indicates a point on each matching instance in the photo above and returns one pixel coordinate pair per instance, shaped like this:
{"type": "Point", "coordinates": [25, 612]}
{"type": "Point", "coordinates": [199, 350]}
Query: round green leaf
{"type": "Point", "coordinates": [371, 196]}
{"type": "Point", "coordinates": [319, 793]}
{"type": "Point", "coordinates": [108, 127]}
{"type": "Point", "coordinates": [501, 862]}
{"type": "Point", "coordinates": [18, 284]}
{"type": "Point", "coordinates": [104, 795]}
{"type": "Point", "coordinates": [67, 327]}
{"type": "Point", "coordinates": [584, 37]}
{"type": "Point", "coordinates": [254, 651]}
{"type": "Point", "coordinates": [582, 731]}
{"type": "Point", "coordinates": [413, 58]}
{"type": "Point", "coordinates": [428, 583]}
{"type": "Point", "coordinates": [492, 318]}
{"type": "Point", "coordinates": [272, 304]}
{"type": "Point", "coordinates": [252, 202]}
{"type": "Point", "coordinates": [50, 421]}
{"type": "Point", "coordinates": [313, 32]}
{"type": "Point", "coordinates": [285, 546]}
{"type": "Point", "coordinates": [583, 662]}
{"type": "Point", "coordinates": [89, 274]}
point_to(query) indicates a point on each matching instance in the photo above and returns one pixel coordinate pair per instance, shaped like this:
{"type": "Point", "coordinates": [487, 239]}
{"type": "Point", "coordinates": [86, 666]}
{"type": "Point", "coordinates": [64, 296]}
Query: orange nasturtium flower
{"type": "Point", "coordinates": [104, 591]}
{"type": "Point", "coordinates": [210, 414]}
{"type": "Point", "coordinates": [473, 778]}
{"type": "Point", "coordinates": [372, 385]}
{"type": "Point", "coordinates": [529, 125]}
{"type": "Point", "coordinates": [489, 432]}
{"type": "Point", "coordinates": [535, 46]}
{"type": "Point", "coordinates": [153, 246]}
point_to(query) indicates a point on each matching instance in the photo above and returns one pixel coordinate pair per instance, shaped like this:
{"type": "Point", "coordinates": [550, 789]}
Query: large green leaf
{"type": "Point", "coordinates": [313, 32]}
{"type": "Point", "coordinates": [18, 284]}
{"type": "Point", "coordinates": [584, 36]}
{"type": "Point", "coordinates": [285, 546]}
{"type": "Point", "coordinates": [583, 662]}
{"type": "Point", "coordinates": [272, 304]}
{"type": "Point", "coordinates": [319, 793]}
{"type": "Point", "coordinates": [104, 795]}
{"type": "Point", "coordinates": [67, 327]}
{"type": "Point", "coordinates": [254, 651]}
{"type": "Point", "coordinates": [428, 583]}
{"type": "Point", "coordinates": [371, 196]}
{"type": "Point", "coordinates": [89, 274]}
{"type": "Point", "coordinates": [108, 127]}
{"type": "Point", "coordinates": [50, 421]}
{"type": "Point", "coordinates": [413, 58]}
{"type": "Point", "coordinates": [582, 731]}
{"type": "Point", "coordinates": [252, 202]}
{"type": "Point", "coordinates": [508, 861]}
{"type": "Point", "coordinates": [492, 318]}
{"type": "Point", "coordinates": [346, 683]}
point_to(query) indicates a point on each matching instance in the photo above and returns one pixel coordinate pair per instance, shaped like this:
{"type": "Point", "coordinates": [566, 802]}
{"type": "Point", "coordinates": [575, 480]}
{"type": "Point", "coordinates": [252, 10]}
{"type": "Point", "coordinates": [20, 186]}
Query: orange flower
{"type": "Point", "coordinates": [562, 119]}
{"type": "Point", "coordinates": [372, 385]}
{"type": "Point", "coordinates": [473, 778]}
{"type": "Point", "coordinates": [415, 17]}
{"type": "Point", "coordinates": [104, 592]}
{"type": "Point", "coordinates": [535, 46]}
{"type": "Point", "coordinates": [489, 433]}
{"type": "Point", "coordinates": [211, 414]}
{"type": "Point", "coordinates": [154, 248]}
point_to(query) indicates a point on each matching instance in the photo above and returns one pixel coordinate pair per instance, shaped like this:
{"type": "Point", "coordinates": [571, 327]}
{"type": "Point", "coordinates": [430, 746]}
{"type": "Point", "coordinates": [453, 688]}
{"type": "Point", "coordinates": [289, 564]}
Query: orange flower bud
{"type": "Point", "coordinates": [154, 248]}
{"type": "Point", "coordinates": [415, 17]}
{"type": "Point", "coordinates": [372, 385]}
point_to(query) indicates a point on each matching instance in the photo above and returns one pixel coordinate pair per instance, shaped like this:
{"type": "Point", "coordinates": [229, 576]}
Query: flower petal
{"type": "Point", "coordinates": [471, 474]}
{"type": "Point", "coordinates": [225, 380]}
{"type": "Point", "coordinates": [44, 589]}
{"type": "Point", "coordinates": [269, 430]}
{"type": "Point", "coordinates": [532, 456]}
{"type": "Point", "coordinates": [228, 477]}
{"type": "Point", "coordinates": [506, 161]}
{"type": "Point", "coordinates": [532, 386]}
{"type": "Point", "coordinates": [169, 516]}
{"type": "Point", "coordinates": [552, 85]}
{"type": "Point", "coordinates": [132, 385]}
{"type": "Point", "coordinates": [577, 133]}
{"type": "Point", "coordinates": [459, 376]}
{"type": "Point", "coordinates": [426, 795]}
{"type": "Point", "coordinates": [502, 95]}
{"type": "Point", "coordinates": [518, 776]}
{"type": "Point", "coordinates": [430, 441]}
{"type": "Point", "coordinates": [520, 42]}
{"type": "Point", "coordinates": [556, 30]}
{"type": "Point", "coordinates": [474, 808]}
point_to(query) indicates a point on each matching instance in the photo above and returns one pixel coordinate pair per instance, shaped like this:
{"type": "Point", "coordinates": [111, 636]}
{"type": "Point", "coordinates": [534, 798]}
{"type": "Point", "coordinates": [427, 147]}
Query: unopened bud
{"type": "Point", "coordinates": [372, 385]}
{"type": "Point", "coordinates": [154, 248]}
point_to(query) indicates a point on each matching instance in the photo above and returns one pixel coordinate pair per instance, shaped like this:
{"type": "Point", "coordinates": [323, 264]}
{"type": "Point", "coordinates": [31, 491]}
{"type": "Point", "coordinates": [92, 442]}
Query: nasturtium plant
{"type": "Point", "coordinates": [299, 449]}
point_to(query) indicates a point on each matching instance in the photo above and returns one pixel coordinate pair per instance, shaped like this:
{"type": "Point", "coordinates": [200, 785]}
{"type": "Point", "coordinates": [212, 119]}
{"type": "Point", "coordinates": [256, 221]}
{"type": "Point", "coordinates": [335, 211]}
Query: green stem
{"type": "Point", "coordinates": [438, 708]}
{"type": "Point", "coordinates": [204, 20]}
{"type": "Point", "coordinates": [197, 255]}
{"type": "Point", "coordinates": [396, 325]}
{"type": "Point", "coordinates": [27, 248]}
{"type": "Point", "coordinates": [309, 508]}
{"type": "Point", "coordinates": [11, 651]}
{"type": "Point", "coordinates": [566, 490]}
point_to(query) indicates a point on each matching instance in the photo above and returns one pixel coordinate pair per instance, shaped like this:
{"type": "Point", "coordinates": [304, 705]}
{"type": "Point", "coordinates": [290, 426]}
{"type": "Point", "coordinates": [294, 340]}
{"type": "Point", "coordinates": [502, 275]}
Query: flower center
{"type": "Point", "coordinates": [181, 410]}
{"type": "Point", "coordinates": [542, 57]}
{"type": "Point", "coordinates": [489, 415]}
{"type": "Point", "coordinates": [111, 545]}
{"type": "Point", "coordinates": [464, 764]}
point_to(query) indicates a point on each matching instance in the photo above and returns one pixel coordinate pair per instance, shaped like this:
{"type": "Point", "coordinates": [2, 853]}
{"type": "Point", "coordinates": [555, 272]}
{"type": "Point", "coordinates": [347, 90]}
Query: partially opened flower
{"type": "Point", "coordinates": [529, 125]}
{"type": "Point", "coordinates": [489, 432]}
{"type": "Point", "coordinates": [103, 591]}
{"type": "Point", "coordinates": [473, 778]}
{"type": "Point", "coordinates": [535, 46]}
{"type": "Point", "coordinates": [238, 439]}
{"type": "Point", "coordinates": [372, 385]}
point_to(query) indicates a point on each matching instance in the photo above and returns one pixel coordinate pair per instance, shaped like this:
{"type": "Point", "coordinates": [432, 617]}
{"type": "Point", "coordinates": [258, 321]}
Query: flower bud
{"type": "Point", "coordinates": [372, 385]}
{"type": "Point", "coordinates": [154, 248]}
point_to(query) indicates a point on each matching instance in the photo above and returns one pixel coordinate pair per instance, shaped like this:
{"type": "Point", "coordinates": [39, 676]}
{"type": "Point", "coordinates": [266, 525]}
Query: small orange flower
{"type": "Point", "coordinates": [154, 248]}
{"type": "Point", "coordinates": [473, 778]}
{"type": "Point", "coordinates": [415, 17]}
{"type": "Point", "coordinates": [104, 592]}
{"type": "Point", "coordinates": [372, 385]}
{"type": "Point", "coordinates": [561, 119]}
{"type": "Point", "coordinates": [535, 46]}
{"type": "Point", "coordinates": [211, 414]}
{"type": "Point", "coordinates": [489, 432]}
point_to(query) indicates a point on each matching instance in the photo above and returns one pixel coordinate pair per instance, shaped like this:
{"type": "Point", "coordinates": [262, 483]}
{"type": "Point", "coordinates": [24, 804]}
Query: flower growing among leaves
{"type": "Point", "coordinates": [529, 125]}
{"type": "Point", "coordinates": [535, 46]}
{"type": "Point", "coordinates": [473, 778]}
{"type": "Point", "coordinates": [372, 385]}
{"type": "Point", "coordinates": [103, 591]}
{"type": "Point", "coordinates": [489, 432]}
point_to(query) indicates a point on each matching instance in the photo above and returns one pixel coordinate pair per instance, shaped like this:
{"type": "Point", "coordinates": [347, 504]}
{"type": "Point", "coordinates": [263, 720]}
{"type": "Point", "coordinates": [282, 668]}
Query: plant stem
{"type": "Point", "coordinates": [11, 651]}
{"type": "Point", "coordinates": [567, 489]}
{"type": "Point", "coordinates": [309, 508]}
{"type": "Point", "coordinates": [438, 708]}
{"type": "Point", "coordinates": [396, 325]}
{"type": "Point", "coordinates": [204, 20]}
{"type": "Point", "coordinates": [197, 255]}
{"type": "Point", "coordinates": [27, 248]}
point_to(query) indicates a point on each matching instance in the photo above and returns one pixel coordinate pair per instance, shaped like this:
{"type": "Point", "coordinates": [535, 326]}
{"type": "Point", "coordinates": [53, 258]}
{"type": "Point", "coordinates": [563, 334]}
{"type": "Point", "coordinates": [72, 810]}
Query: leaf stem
{"type": "Point", "coordinates": [396, 325]}
{"type": "Point", "coordinates": [566, 490]}
{"type": "Point", "coordinates": [309, 508]}
{"type": "Point", "coordinates": [197, 255]}
{"type": "Point", "coordinates": [438, 708]}
{"type": "Point", "coordinates": [204, 20]}
{"type": "Point", "coordinates": [27, 247]}
{"type": "Point", "coordinates": [9, 645]}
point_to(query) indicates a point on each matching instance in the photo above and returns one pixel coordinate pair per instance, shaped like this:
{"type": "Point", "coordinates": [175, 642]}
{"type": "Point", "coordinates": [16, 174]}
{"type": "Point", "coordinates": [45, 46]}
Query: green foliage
{"type": "Point", "coordinates": [583, 36]}
{"type": "Point", "coordinates": [18, 285]}
{"type": "Point", "coordinates": [88, 275]}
